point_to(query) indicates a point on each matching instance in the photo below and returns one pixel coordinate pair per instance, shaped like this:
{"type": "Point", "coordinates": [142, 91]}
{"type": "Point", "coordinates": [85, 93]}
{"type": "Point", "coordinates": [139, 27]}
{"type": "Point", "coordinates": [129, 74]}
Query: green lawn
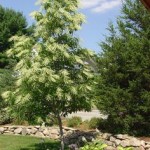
{"type": "Point", "coordinates": [11, 142]}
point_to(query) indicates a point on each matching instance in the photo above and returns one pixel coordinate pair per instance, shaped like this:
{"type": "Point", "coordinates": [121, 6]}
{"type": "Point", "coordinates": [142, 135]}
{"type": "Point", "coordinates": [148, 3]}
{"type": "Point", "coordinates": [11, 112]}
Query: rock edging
{"type": "Point", "coordinates": [74, 136]}
{"type": "Point", "coordinates": [37, 131]}
{"type": "Point", "coordinates": [124, 140]}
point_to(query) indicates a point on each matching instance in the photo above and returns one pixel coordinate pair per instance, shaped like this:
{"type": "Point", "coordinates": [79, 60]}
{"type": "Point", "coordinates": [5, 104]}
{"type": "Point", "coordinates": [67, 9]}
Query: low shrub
{"type": "Point", "coordinates": [74, 121]}
{"type": "Point", "coordinates": [94, 122]}
{"type": "Point", "coordinates": [5, 118]}
{"type": "Point", "coordinates": [51, 120]}
{"type": "Point", "coordinates": [84, 125]}
{"type": "Point", "coordinates": [95, 145]}
{"type": "Point", "coordinates": [121, 148]}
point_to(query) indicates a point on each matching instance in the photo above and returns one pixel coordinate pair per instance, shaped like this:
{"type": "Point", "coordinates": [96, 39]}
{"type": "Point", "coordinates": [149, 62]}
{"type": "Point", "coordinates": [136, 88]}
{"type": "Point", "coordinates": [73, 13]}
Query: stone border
{"type": "Point", "coordinates": [74, 136]}
{"type": "Point", "coordinates": [124, 140]}
{"type": "Point", "coordinates": [37, 131]}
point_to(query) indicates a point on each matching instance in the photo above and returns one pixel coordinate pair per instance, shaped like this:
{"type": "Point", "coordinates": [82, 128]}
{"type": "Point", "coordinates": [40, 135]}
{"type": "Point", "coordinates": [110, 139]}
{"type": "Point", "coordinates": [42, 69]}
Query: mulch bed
{"type": "Point", "coordinates": [147, 139]}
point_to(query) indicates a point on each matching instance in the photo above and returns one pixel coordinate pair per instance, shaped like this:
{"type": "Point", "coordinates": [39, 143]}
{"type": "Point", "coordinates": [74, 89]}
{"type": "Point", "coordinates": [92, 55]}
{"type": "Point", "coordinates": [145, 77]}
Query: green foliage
{"type": "Point", "coordinates": [94, 123]}
{"type": "Point", "coordinates": [12, 23]}
{"type": "Point", "coordinates": [51, 120]}
{"type": "Point", "coordinates": [6, 78]}
{"type": "Point", "coordinates": [6, 83]}
{"type": "Point", "coordinates": [124, 80]}
{"type": "Point", "coordinates": [5, 117]}
{"type": "Point", "coordinates": [53, 76]}
{"type": "Point", "coordinates": [95, 145]}
{"type": "Point", "coordinates": [121, 148]}
{"type": "Point", "coordinates": [74, 121]}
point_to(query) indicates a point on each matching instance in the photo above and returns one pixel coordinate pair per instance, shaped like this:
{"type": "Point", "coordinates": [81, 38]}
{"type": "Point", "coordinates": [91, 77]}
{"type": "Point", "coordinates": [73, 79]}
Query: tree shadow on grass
{"type": "Point", "coordinates": [75, 138]}
{"type": "Point", "coordinates": [43, 146]}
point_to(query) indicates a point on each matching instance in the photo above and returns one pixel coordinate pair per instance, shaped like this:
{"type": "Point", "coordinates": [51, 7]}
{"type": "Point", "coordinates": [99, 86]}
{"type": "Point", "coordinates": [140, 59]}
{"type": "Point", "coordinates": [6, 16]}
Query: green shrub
{"type": "Point", "coordinates": [95, 145]}
{"type": "Point", "coordinates": [121, 148]}
{"type": "Point", "coordinates": [85, 125]}
{"type": "Point", "coordinates": [94, 123]}
{"type": "Point", "coordinates": [74, 121]}
{"type": "Point", "coordinates": [51, 120]}
{"type": "Point", "coordinates": [4, 117]}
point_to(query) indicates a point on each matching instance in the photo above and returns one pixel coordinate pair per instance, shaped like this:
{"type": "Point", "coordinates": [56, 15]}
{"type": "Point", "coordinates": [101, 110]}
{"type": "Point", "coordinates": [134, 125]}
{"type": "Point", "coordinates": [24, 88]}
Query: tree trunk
{"type": "Point", "coordinates": [61, 132]}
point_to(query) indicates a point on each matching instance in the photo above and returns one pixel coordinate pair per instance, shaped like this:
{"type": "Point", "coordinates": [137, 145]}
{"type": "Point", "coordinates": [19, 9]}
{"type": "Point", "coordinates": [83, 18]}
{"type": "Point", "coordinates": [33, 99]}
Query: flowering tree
{"type": "Point", "coordinates": [52, 74]}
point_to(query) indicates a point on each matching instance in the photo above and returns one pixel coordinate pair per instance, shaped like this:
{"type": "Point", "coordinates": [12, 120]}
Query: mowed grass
{"type": "Point", "coordinates": [12, 142]}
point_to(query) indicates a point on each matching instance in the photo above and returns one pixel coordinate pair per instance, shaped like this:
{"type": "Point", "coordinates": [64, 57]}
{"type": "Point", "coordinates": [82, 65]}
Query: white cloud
{"type": "Point", "coordinates": [98, 6]}
{"type": "Point", "coordinates": [90, 3]}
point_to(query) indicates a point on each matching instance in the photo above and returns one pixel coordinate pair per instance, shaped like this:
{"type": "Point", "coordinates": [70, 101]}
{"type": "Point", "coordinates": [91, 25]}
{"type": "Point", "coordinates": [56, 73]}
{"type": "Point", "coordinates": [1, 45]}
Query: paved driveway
{"type": "Point", "coordinates": [88, 115]}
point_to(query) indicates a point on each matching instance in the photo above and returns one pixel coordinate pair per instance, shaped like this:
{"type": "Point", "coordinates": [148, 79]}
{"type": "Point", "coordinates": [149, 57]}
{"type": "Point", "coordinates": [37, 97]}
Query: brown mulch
{"type": "Point", "coordinates": [147, 139]}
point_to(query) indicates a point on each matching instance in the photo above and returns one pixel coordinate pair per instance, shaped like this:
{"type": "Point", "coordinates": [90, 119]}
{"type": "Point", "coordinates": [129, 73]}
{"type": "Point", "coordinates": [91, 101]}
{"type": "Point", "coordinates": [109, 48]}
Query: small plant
{"type": "Point", "coordinates": [84, 125]}
{"type": "Point", "coordinates": [128, 148]}
{"type": "Point", "coordinates": [51, 120]}
{"type": "Point", "coordinates": [74, 121]}
{"type": "Point", "coordinates": [94, 123]}
{"type": "Point", "coordinates": [5, 118]}
{"type": "Point", "coordinates": [95, 145]}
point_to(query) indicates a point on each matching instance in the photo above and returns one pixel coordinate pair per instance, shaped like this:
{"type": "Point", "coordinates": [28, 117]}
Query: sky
{"type": "Point", "coordinates": [98, 14]}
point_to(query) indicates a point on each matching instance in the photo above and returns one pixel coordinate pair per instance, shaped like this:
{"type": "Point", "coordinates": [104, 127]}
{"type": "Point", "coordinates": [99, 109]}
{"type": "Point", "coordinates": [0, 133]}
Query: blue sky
{"type": "Point", "coordinates": [98, 14]}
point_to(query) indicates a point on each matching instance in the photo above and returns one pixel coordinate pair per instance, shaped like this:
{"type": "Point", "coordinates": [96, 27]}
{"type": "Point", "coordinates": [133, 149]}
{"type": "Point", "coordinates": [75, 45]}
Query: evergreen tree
{"type": "Point", "coordinates": [11, 23]}
{"type": "Point", "coordinates": [52, 74]}
{"type": "Point", "coordinates": [124, 67]}
{"type": "Point", "coordinates": [6, 83]}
